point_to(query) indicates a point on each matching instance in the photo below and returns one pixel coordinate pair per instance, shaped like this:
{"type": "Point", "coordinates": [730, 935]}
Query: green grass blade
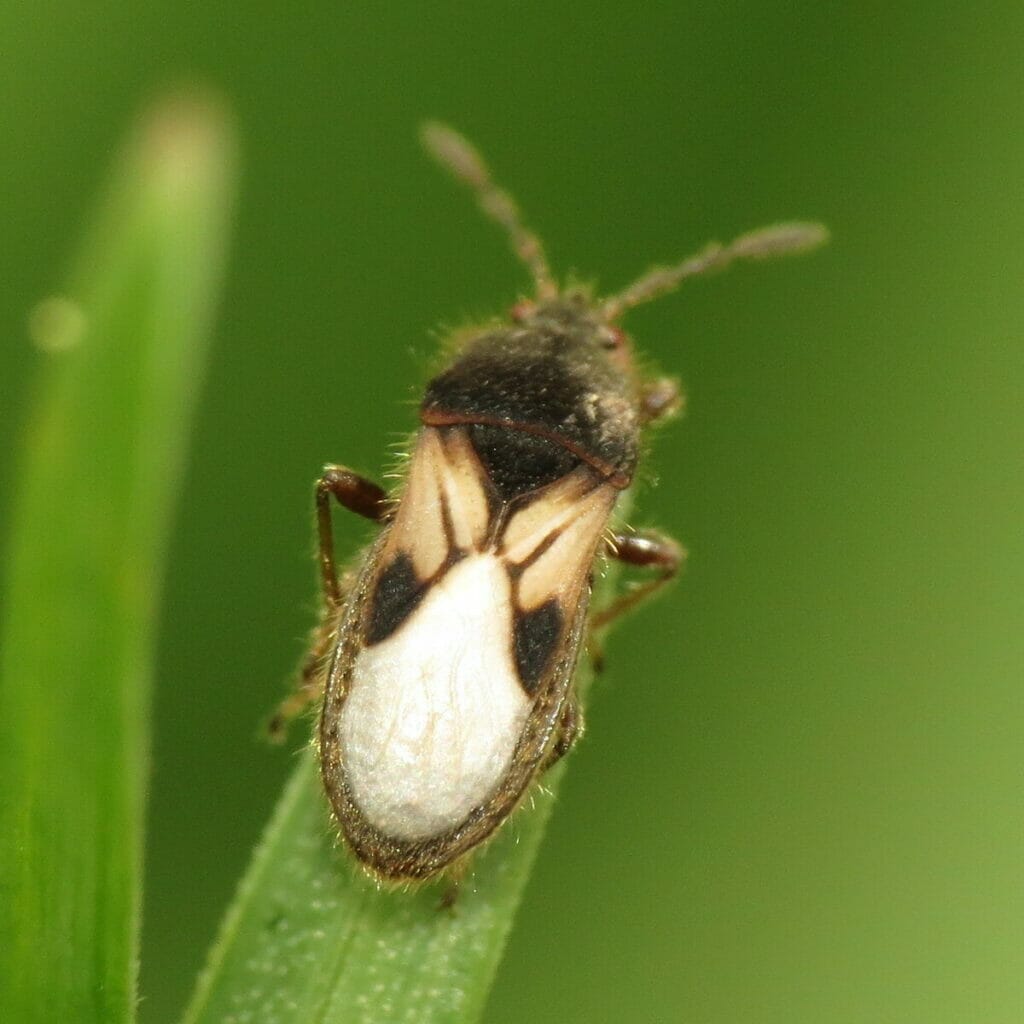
{"type": "Point", "coordinates": [103, 452]}
{"type": "Point", "coordinates": [309, 940]}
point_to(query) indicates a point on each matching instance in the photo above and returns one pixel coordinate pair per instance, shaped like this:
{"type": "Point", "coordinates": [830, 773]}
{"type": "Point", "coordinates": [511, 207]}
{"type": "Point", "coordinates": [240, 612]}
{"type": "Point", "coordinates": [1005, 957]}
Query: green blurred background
{"type": "Point", "coordinates": [800, 794]}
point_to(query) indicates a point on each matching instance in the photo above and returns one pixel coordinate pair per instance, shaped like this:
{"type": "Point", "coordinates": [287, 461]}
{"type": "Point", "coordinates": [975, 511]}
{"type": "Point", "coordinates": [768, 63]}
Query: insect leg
{"type": "Point", "coordinates": [647, 550]}
{"type": "Point", "coordinates": [570, 728]}
{"type": "Point", "coordinates": [309, 686]}
{"type": "Point", "coordinates": [358, 495]}
{"type": "Point", "coordinates": [455, 874]}
{"type": "Point", "coordinates": [365, 498]}
{"type": "Point", "coordinates": [660, 399]}
{"type": "Point", "coordinates": [644, 550]}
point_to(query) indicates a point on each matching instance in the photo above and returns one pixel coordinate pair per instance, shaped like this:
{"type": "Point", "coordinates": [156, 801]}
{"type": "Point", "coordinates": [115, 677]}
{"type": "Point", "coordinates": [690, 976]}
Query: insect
{"type": "Point", "coordinates": [445, 660]}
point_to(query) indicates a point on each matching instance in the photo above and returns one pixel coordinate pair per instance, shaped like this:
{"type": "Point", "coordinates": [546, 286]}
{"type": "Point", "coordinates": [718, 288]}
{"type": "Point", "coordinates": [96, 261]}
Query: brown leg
{"type": "Point", "coordinates": [647, 551]}
{"type": "Point", "coordinates": [364, 498]}
{"type": "Point", "coordinates": [358, 495]}
{"type": "Point", "coordinates": [644, 550]}
{"type": "Point", "coordinates": [454, 875]}
{"type": "Point", "coordinates": [310, 685]}
{"type": "Point", "coordinates": [449, 897]}
{"type": "Point", "coordinates": [570, 728]}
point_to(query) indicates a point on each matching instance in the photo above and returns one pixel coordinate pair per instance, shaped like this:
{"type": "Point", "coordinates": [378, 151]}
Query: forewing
{"type": "Point", "coordinates": [457, 652]}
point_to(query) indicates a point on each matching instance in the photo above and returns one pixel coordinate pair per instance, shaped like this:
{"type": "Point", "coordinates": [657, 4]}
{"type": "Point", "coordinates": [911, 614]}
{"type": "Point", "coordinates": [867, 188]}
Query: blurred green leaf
{"type": "Point", "coordinates": [103, 453]}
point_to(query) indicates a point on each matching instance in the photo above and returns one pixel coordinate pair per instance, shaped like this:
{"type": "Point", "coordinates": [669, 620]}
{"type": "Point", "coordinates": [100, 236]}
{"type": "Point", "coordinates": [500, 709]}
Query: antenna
{"type": "Point", "coordinates": [453, 152]}
{"type": "Point", "coordinates": [765, 243]}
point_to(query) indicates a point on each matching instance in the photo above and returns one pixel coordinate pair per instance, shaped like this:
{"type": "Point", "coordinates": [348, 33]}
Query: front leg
{"type": "Point", "coordinates": [358, 495]}
{"type": "Point", "coordinates": [366, 499]}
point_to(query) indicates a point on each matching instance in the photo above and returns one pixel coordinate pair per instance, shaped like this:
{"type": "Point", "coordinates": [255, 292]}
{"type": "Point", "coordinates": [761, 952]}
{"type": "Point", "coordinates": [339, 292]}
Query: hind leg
{"type": "Point", "coordinates": [309, 686]}
{"type": "Point", "coordinates": [569, 730]}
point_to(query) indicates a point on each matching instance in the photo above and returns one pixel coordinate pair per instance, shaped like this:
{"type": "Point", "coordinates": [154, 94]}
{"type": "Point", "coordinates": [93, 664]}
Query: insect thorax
{"type": "Point", "coordinates": [540, 396]}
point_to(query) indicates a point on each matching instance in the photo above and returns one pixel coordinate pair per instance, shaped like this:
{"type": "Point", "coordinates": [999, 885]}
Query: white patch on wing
{"type": "Point", "coordinates": [434, 712]}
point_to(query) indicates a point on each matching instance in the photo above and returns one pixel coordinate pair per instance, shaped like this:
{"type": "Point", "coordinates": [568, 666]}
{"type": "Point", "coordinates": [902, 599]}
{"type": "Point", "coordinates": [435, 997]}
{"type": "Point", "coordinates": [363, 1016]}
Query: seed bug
{"type": "Point", "coordinates": [445, 660]}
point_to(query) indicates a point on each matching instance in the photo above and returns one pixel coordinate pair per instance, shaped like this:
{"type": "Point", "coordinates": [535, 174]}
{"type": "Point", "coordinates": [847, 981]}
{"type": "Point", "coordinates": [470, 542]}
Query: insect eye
{"type": "Point", "coordinates": [522, 311]}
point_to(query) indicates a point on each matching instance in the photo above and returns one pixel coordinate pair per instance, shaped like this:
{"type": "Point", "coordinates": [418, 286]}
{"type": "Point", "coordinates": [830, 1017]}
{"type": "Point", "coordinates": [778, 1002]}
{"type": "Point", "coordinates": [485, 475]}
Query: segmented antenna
{"type": "Point", "coordinates": [765, 243]}
{"type": "Point", "coordinates": [456, 154]}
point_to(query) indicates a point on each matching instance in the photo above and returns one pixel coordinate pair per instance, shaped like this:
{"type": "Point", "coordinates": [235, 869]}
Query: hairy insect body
{"type": "Point", "coordinates": [446, 661]}
{"type": "Point", "coordinates": [466, 622]}
{"type": "Point", "coordinates": [562, 376]}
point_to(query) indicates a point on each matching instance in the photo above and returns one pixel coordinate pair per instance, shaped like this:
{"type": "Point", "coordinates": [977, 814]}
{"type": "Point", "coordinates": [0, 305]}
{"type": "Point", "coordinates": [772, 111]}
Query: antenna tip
{"type": "Point", "coordinates": [453, 151]}
{"type": "Point", "coordinates": [788, 239]}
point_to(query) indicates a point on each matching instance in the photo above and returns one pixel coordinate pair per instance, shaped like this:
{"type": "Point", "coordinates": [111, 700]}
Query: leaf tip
{"type": "Point", "coordinates": [185, 141]}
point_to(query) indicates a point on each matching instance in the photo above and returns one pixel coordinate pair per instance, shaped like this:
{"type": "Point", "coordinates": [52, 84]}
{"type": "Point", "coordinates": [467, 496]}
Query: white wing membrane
{"type": "Point", "coordinates": [434, 712]}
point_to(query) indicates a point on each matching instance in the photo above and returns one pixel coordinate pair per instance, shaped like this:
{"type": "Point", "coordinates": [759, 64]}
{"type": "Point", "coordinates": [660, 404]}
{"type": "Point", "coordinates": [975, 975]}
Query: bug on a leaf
{"type": "Point", "coordinates": [445, 659]}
